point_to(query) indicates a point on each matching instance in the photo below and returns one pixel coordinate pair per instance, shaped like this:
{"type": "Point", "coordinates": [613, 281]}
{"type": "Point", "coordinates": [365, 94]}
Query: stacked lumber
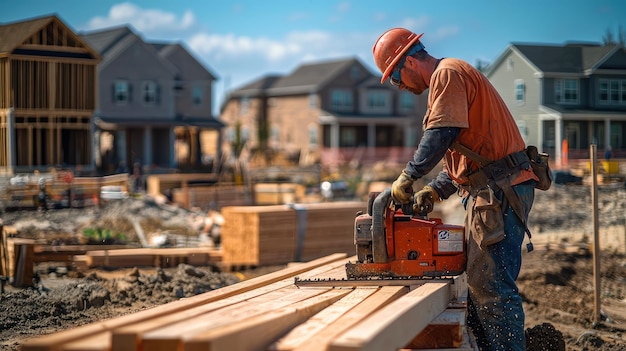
{"type": "Point", "coordinates": [271, 313]}
{"type": "Point", "coordinates": [65, 253]}
{"type": "Point", "coordinates": [211, 197]}
{"type": "Point", "coordinates": [278, 193]}
{"type": "Point", "coordinates": [278, 234]}
{"type": "Point", "coordinates": [148, 257]}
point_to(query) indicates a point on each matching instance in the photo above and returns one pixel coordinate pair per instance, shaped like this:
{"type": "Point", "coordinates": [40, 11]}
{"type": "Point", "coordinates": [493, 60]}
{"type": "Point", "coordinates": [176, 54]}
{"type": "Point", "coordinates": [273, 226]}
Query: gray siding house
{"type": "Point", "coordinates": [332, 113]}
{"type": "Point", "coordinates": [565, 97]}
{"type": "Point", "coordinates": [143, 116]}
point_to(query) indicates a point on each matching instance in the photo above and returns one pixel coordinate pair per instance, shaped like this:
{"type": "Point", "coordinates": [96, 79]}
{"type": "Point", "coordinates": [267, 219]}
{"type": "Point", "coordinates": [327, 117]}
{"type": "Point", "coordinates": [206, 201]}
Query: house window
{"type": "Point", "coordinates": [275, 134]}
{"type": "Point", "coordinates": [566, 91]}
{"type": "Point", "coordinates": [612, 91]}
{"type": "Point", "coordinates": [197, 92]}
{"type": "Point", "coordinates": [121, 92]}
{"type": "Point", "coordinates": [244, 103]}
{"type": "Point", "coordinates": [312, 100]}
{"type": "Point", "coordinates": [341, 99]}
{"type": "Point", "coordinates": [149, 92]}
{"type": "Point", "coordinates": [407, 101]}
{"type": "Point", "coordinates": [355, 72]}
{"type": "Point", "coordinates": [376, 100]}
{"type": "Point", "coordinates": [312, 136]}
{"type": "Point", "coordinates": [520, 90]}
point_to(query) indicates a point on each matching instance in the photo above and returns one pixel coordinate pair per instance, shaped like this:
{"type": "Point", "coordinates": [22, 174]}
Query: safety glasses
{"type": "Point", "coordinates": [395, 78]}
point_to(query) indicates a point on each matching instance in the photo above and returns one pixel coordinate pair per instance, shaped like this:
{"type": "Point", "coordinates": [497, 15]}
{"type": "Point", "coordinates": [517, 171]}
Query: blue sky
{"type": "Point", "coordinates": [243, 40]}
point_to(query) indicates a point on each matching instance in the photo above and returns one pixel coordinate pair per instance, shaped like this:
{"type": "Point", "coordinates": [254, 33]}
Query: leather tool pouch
{"type": "Point", "coordinates": [541, 168]}
{"type": "Point", "coordinates": [486, 222]}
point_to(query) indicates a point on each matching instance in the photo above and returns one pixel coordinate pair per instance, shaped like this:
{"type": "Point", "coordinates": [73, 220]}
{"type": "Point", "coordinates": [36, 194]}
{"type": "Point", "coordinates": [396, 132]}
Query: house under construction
{"type": "Point", "coordinates": [47, 96]}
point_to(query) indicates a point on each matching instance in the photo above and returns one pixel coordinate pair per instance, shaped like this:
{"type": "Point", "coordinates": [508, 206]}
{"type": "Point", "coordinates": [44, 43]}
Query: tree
{"type": "Point", "coordinates": [610, 39]}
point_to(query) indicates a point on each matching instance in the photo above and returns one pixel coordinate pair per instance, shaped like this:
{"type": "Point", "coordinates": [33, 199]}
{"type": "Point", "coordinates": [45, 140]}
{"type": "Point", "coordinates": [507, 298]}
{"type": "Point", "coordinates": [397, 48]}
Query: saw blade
{"type": "Point", "coordinates": [354, 283]}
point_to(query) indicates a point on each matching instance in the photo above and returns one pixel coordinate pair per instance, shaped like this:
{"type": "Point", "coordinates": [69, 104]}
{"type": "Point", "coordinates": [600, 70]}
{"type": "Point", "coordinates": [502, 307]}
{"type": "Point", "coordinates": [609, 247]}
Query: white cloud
{"type": "Point", "coordinates": [228, 46]}
{"type": "Point", "coordinates": [147, 21]}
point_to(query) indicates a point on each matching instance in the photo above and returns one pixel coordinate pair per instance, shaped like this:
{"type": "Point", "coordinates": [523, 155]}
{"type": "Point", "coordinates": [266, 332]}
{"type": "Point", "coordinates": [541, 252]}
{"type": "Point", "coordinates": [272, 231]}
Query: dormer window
{"type": "Point", "coordinates": [355, 72]}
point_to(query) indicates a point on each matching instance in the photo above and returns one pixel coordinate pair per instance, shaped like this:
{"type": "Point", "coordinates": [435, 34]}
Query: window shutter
{"type": "Point", "coordinates": [130, 92]}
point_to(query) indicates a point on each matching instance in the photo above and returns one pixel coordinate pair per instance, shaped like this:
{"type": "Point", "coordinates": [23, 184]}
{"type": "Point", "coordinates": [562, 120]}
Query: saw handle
{"type": "Point", "coordinates": [408, 210]}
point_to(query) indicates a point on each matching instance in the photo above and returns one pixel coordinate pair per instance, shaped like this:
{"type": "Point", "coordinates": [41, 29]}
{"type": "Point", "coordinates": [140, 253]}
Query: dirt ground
{"type": "Point", "coordinates": [556, 282]}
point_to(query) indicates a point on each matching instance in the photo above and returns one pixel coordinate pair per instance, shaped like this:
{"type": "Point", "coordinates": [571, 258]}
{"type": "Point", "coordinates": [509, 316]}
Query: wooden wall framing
{"type": "Point", "coordinates": [49, 83]}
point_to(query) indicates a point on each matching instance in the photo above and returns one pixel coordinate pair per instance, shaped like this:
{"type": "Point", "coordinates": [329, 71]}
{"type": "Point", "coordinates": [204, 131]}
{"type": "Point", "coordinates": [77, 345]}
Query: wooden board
{"type": "Point", "coordinates": [56, 340]}
{"type": "Point", "coordinates": [395, 325]}
{"type": "Point", "coordinates": [272, 313]}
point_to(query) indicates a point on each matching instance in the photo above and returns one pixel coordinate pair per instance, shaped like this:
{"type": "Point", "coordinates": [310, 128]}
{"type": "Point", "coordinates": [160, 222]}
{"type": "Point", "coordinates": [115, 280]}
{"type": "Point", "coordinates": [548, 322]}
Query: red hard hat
{"type": "Point", "coordinates": [390, 47]}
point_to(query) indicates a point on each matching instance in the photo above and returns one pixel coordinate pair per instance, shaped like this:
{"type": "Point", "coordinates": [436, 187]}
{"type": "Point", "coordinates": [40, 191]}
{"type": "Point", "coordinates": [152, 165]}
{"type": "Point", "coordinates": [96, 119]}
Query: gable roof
{"type": "Point", "coordinates": [574, 58]}
{"type": "Point", "coordinates": [111, 42]}
{"type": "Point", "coordinates": [15, 34]}
{"type": "Point", "coordinates": [256, 87]}
{"type": "Point", "coordinates": [309, 78]}
{"type": "Point", "coordinates": [104, 40]}
{"type": "Point", "coordinates": [167, 52]}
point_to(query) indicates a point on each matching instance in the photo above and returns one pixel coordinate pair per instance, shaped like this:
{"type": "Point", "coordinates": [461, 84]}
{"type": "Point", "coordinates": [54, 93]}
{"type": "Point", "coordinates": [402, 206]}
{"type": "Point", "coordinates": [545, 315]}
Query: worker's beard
{"type": "Point", "coordinates": [414, 90]}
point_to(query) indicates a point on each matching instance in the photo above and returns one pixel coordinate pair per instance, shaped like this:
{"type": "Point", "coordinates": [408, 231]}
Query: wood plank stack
{"type": "Point", "coordinates": [148, 257]}
{"type": "Point", "coordinates": [271, 313]}
{"type": "Point", "coordinates": [65, 253]}
{"type": "Point", "coordinates": [278, 234]}
{"type": "Point", "coordinates": [211, 197]}
{"type": "Point", "coordinates": [278, 193]}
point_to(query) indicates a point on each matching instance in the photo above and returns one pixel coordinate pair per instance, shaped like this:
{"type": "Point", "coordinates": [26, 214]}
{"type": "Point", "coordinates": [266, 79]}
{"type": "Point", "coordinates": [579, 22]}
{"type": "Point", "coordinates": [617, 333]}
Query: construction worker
{"type": "Point", "coordinates": [464, 107]}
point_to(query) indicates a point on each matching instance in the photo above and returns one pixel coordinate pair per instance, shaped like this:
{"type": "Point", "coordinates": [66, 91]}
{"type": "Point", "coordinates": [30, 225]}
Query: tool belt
{"type": "Point", "coordinates": [497, 175]}
{"type": "Point", "coordinates": [496, 171]}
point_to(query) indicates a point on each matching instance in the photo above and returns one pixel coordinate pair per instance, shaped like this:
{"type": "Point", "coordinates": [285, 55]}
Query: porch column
{"type": "Point", "coordinates": [334, 135]}
{"type": "Point", "coordinates": [558, 142]}
{"type": "Point", "coordinates": [371, 135]}
{"type": "Point", "coordinates": [120, 147]}
{"type": "Point", "coordinates": [334, 141]}
{"type": "Point", "coordinates": [147, 146]}
{"type": "Point", "coordinates": [172, 144]}
{"type": "Point", "coordinates": [540, 134]}
{"type": "Point", "coordinates": [607, 133]}
{"type": "Point", "coordinates": [10, 138]}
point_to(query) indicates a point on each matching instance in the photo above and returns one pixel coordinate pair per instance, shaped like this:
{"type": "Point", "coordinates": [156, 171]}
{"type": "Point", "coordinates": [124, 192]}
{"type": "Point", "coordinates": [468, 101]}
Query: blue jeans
{"type": "Point", "coordinates": [495, 311]}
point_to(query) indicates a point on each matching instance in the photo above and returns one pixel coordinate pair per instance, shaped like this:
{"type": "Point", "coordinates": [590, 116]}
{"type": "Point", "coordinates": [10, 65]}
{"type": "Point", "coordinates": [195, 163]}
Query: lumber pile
{"type": "Point", "coordinates": [271, 313]}
{"type": "Point", "coordinates": [148, 257]}
{"type": "Point", "coordinates": [211, 197]}
{"type": "Point", "coordinates": [278, 234]}
{"type": "Point", "coordinates": [278, 193]}
{"type": "Point", "coordinates": [65, 253]}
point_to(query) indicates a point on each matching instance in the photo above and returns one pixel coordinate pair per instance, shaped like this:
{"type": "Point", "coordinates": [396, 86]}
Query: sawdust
{"type": "Point", "coordinates": [556, 285]}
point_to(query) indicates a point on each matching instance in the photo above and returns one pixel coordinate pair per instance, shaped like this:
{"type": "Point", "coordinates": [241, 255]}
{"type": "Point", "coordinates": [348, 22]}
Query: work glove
{"type": "Point", "coordinates": [402, 188]}
{"type": "Point", "coordinates": [425, 199]}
